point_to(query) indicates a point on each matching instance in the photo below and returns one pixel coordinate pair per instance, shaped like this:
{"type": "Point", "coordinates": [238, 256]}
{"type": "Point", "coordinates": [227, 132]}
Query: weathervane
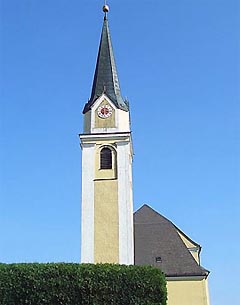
{"type": "Point", "coordinates": [105, 8]}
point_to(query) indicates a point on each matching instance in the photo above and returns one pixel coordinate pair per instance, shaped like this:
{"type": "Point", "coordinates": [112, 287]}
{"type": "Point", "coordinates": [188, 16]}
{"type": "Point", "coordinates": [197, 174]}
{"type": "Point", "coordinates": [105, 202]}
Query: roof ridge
{"type": "Point", "coordinates": [169, 221]}
{"type": "Point", "coordinates": [155, 212]}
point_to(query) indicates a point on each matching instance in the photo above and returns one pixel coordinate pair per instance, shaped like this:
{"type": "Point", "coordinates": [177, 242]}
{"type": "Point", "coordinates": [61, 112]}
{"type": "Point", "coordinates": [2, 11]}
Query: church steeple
{"type": "Point", "coordinates": [106, 77]}
{"type": "Point", "coordinates": [106, 143]}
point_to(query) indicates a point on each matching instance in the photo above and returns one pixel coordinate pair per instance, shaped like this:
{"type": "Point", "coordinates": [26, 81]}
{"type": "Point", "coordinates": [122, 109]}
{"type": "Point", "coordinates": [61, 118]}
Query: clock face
{"type": "Point", "coordinates": [104, 111]}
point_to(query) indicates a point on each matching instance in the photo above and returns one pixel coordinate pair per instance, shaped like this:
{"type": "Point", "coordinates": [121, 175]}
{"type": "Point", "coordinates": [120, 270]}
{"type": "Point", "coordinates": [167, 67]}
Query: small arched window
{"type": "Point", "coordinates": [106, 158]}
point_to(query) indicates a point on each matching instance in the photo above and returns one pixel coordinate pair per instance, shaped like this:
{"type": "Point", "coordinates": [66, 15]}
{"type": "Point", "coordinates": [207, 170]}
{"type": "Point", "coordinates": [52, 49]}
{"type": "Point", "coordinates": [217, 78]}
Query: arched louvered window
{"type": "Point", "coordinates": [106, 158]}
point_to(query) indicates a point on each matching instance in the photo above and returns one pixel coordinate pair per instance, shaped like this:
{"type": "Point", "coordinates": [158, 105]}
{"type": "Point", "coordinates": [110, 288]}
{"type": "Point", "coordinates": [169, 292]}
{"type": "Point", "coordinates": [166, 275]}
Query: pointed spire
{"type": "Point", "coordinates": [106, 78]}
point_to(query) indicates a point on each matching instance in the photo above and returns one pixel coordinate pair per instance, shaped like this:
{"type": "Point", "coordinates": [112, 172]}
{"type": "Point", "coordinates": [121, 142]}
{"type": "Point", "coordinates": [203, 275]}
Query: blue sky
{"type": "Point", "coordinates": [179, 66]}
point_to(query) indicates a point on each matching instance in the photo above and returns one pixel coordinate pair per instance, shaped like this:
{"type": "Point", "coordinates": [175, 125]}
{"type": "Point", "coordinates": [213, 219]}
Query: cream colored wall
{"type": "Point", "coordinates": [190, 245]}
{"type": "Point", "coordinates": [106, 241]}
{"type": "Point", "coordinates": [106, 218]}
{"type": "Point", "coordinates": [105, 173]}
{"type": "Point", "coordinates": [107, 122]}
{"type": "Point", "coordinates": [87, 122]}
{"type": "Point", "coordinates": [188, 292]}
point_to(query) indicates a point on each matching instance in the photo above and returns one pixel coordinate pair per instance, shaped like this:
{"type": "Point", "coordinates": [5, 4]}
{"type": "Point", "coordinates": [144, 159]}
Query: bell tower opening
{"type": "Point", "coordinates": [106, 158]}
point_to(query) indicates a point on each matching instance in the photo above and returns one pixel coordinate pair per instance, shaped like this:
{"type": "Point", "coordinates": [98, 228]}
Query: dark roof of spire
{"type": "Point", "coordinates": [105, 77]}
{"type": "Point", "coordinates": [157, 237]}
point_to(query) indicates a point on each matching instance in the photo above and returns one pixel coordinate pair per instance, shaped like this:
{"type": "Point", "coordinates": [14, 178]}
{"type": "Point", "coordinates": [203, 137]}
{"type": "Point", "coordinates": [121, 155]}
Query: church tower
{"type": "Point", "coordinates": [107, 204]}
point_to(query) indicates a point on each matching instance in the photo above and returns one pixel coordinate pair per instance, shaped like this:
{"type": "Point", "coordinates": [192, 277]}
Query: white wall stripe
{"type": "Point", "coordinates": [87, 248]}
{"type": "Point", "coordinates": [125, 204]}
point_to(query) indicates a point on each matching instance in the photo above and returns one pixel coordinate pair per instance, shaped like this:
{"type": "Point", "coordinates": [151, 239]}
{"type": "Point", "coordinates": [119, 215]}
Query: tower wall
{"type": "Point", "coordinates": [107, 205]}
{"type": "Point", "coordinates": [125, 201]}
{"type": "Point", "coordinates": [106, 221]}
{"type": "Point", "coordinates": [87, 240]}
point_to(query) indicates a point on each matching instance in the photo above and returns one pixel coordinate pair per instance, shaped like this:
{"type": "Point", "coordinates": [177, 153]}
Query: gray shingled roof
{"type": "Point", "coordinates": [156, 236]}
{"type": "Point", "coordinates": [105, 77]}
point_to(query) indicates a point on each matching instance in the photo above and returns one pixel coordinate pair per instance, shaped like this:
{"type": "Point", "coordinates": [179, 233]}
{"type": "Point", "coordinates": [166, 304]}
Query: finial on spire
{"type": "Point", "coordinates": [105, 8]}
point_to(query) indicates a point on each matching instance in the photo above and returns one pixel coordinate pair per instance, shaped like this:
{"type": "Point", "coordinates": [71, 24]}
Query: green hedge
{"type": "Point", "coordinates": [81, 284]}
